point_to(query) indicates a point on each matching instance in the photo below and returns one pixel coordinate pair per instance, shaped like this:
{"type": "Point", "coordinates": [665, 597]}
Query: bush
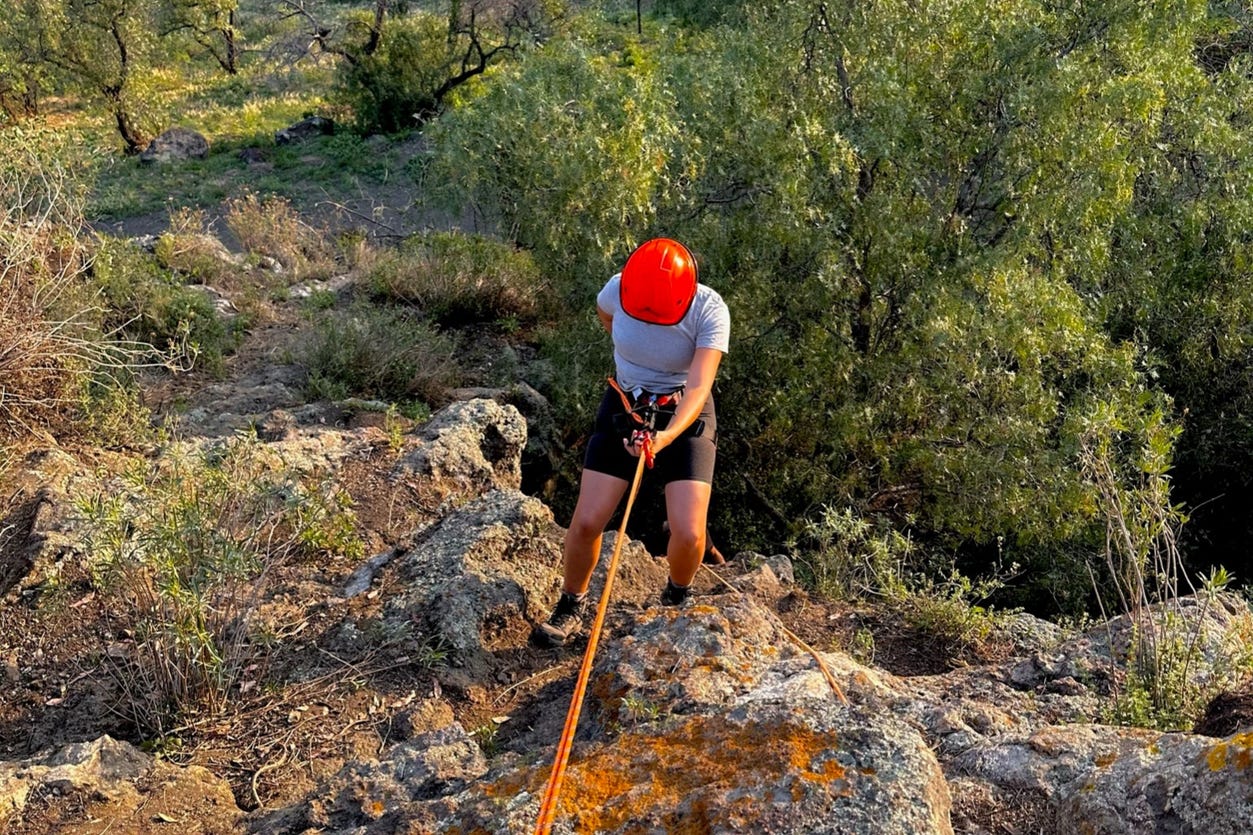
{"type": "Point", "coordinates": [186, 548]}
{"type": "Point", "coordinates": [189, 249]}
{"type": "Point", "coordinates": [381, 352]}
{"type": "Point", "coordinates": [458, 278]}
{"type": "Point", "coordinates": [388, 88]}
{"type": "Point", "coordinates": [271, 227]}
{"type": "Point", "coordinates": [51, 341]}
{"type": "Point", "coordinates": [854, 557]}
{"type": "Point", "coordinates": [150, 305]}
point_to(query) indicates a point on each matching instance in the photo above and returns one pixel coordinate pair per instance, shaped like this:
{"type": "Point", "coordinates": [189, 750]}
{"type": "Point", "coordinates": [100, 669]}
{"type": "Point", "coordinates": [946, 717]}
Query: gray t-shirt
{"type": "Point", "coordinates": [657, 357]}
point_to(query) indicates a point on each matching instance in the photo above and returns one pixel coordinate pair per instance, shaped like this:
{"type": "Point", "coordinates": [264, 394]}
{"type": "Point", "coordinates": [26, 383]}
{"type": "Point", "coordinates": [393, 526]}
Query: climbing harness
{"type": "Point", "coordinates": [548, 808]}
{"type": "Point", "coordinates": [641, 416]}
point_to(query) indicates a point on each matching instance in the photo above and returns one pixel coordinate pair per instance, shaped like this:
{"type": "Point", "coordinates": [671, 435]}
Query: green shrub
{"type": "Point", "coordinates": [952, 609]}
{"type": "Point", "coordinates": [187, 248]}
{"type": "Point", "coordinates": [853, 557]}
{"type": "Point", "coordinates": [382, 352]}
{"type": "Point", "coordinates": [458, 278]}
{"type": "Point", "coordinates": [150, 305]}
{"type": "Point", "coordinates": [185, 547]}
{"type": "Point", "coordinates": [388, 88]}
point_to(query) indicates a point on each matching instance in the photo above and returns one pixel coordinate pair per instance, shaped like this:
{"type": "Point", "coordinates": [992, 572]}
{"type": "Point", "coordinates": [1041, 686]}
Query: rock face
{"type": "Point", "coordinates": [174, 145]}
{"type": "Point", "coordinates": [475, 576]}
{"type": "Point", "coordinates": [707, 717]}
{"type": "Point", "coordinates": [473, 445]}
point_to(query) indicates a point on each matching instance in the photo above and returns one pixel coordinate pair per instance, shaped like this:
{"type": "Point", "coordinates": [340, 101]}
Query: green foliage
{"type": "Point", "coordinates": [24, 77]}
{"type": "Point", "coordinates": [108, 49]}
{"type": "Point", "coordinates": [380, 352]}
{"type": "Point", "coordinates": [186, 546]}
{"type": "Point", "coordinates": [399, 68]}
{"type": "Point", "coordinates": [152, 306]}
{"type": "Point", "coordinates": [954, 610]}
{"type": "Point", "coordinates": [187, 248]}
{"type": "Point", "coordinates": [905, 249]}
{"type": "Point", "coordinates": [457, 278]}
{"type": "Point", "coordinates": [1172, 692]}
{"type": "Point", "coordinates": [390, 87]}
{"type": "Point", "coordinates": [569, 152]}
{"type": "Point", "coordinates": [853, 557]}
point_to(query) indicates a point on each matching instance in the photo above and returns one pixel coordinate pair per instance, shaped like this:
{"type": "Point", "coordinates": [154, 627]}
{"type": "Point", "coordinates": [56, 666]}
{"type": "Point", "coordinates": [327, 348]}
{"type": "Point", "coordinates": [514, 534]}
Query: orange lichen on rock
{"type": "Point", "coordinates": [607, 788]}
{"type": "Point", "coordinates": [1237, 752]}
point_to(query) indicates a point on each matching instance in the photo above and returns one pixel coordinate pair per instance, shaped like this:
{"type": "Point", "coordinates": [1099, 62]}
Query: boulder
{"type": "Point", "coordinates": [306, 128]}
{"type": "Point", "coordinates": [438, 758]}
{"type": "Point", "coordinates": [107, 780]}
{"type": "Point", "coordinates": [479, 577]}
{"type": "Point", "coordinates": [175, 145]}
{"type": "Point", "coordinates": [755, 741]}
{"type": "Point", "coordinates": [38, 534]}
{"type": "Point", "coordinates": [1171, 783]}
{"type": "Point", "coordinates": [469, 446]}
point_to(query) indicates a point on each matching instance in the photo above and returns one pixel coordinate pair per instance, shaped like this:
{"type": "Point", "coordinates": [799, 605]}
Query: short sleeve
{"type": "Point", "coordinates": [713, 330]}
{"type": "Point", "coordinates": [608, 298]}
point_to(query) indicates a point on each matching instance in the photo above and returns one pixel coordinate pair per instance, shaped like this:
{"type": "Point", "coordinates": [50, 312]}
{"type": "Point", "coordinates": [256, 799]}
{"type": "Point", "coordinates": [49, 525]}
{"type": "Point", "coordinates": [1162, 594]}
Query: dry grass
{"type": "Point", "coordinates": [457, 278]}
{"type": "Point", "coordinates": [50, 342]}
{"type": "Point", "coordinates": [271, 227]}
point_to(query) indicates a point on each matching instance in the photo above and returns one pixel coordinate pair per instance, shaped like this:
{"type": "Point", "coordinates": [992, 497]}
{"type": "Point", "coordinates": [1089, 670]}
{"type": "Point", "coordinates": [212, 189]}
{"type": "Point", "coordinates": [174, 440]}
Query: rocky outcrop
{"type": "Point", "coordinates": [483, 574]}
{"type": "Point", "coordinates": [107, 780]}
{"type": "Point", "coordinates": [707, 717]}
{"type": "Point", "coordinates": [470, 445]}
{"type": "Point", "coordinates": [176, 144]}
{"type": "Point", "coordinates": [36, 535]}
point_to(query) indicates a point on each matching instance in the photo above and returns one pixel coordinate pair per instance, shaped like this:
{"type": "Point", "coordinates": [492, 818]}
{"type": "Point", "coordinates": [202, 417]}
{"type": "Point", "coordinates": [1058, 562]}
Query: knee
{"type": "Point", "coordinates": [583, 529]}
{"type": "Point", "coordinates": [685, 538]}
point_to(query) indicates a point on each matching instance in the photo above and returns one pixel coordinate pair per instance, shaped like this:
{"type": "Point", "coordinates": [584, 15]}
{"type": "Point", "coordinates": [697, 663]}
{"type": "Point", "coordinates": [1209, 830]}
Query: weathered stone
{"type": "Point", "coordinates": [800, 764]}
{"type": "Point", "coordinates": [480, 573]}
{"type": "Point", "coordinates": [471, 445]}
{"type": "Point", "coordinates": [176, 144]}
{"type": "Point", "coordinates": [1171, 783]}
{"type": "Point", "coordinates": [306, 128]}
{"type": "Point", "coordinates": [115, 780]}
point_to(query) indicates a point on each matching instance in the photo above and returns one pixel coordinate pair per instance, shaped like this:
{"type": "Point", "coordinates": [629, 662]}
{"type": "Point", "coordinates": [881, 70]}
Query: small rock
{"type": "Point", "coordinates": [304, 129]}
{"type": "Point", "coordinates": [174, 145]}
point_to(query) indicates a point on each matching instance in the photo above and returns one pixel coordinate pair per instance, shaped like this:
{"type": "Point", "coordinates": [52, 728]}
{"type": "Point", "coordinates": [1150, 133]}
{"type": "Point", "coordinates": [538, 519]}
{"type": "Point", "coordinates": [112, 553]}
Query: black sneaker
{"type": "Point", "coordinates": [674, 594]}
{"type": "Point", "coordinates": [565, 622]}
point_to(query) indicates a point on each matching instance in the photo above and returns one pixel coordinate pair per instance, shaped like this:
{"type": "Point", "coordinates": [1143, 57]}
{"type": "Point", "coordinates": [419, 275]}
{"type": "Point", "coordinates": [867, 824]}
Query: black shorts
{"type": "Point", "coordinates": [689, 458]}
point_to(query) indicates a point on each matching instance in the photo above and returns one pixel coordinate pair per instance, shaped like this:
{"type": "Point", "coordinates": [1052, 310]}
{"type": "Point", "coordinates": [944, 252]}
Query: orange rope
{"type": "Point", "coordinates": [548, 808]}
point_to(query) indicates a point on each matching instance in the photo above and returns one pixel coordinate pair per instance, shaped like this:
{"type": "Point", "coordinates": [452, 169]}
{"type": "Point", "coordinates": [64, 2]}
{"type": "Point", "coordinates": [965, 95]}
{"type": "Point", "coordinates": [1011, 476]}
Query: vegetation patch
{"type": "Point", "coordinates": [456, 278]}
{"type": "Point", "coordinates": [381, 352]}
{"type": "Point", "coordinates": [186, 548]}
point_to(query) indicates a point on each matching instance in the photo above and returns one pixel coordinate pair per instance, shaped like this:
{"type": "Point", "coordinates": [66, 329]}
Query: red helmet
{"type": "Point", "coordinates": [658, 282]}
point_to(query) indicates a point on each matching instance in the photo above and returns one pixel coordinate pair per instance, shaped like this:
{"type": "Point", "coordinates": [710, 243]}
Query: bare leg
{"type": "Point", "coordinates": [599, 495]}
{"type": "Point", "coordinates": [687, 509]}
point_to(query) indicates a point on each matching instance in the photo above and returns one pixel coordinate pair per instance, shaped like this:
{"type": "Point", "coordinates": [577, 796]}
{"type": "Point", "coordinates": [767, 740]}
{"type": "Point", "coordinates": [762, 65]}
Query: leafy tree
{"type": "Point", "coordinates": [212, 25]}
{"type": "Point", "coordinates": [916, 215]}
{"type": "Point", "coordinates": [104, 46]}
{"type": "Point", "coordinates": [401, 64]}
{"type": "Point", "coordinates": [1180, 280]}
{"type": "Point", "coordinates": [23, 75]}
